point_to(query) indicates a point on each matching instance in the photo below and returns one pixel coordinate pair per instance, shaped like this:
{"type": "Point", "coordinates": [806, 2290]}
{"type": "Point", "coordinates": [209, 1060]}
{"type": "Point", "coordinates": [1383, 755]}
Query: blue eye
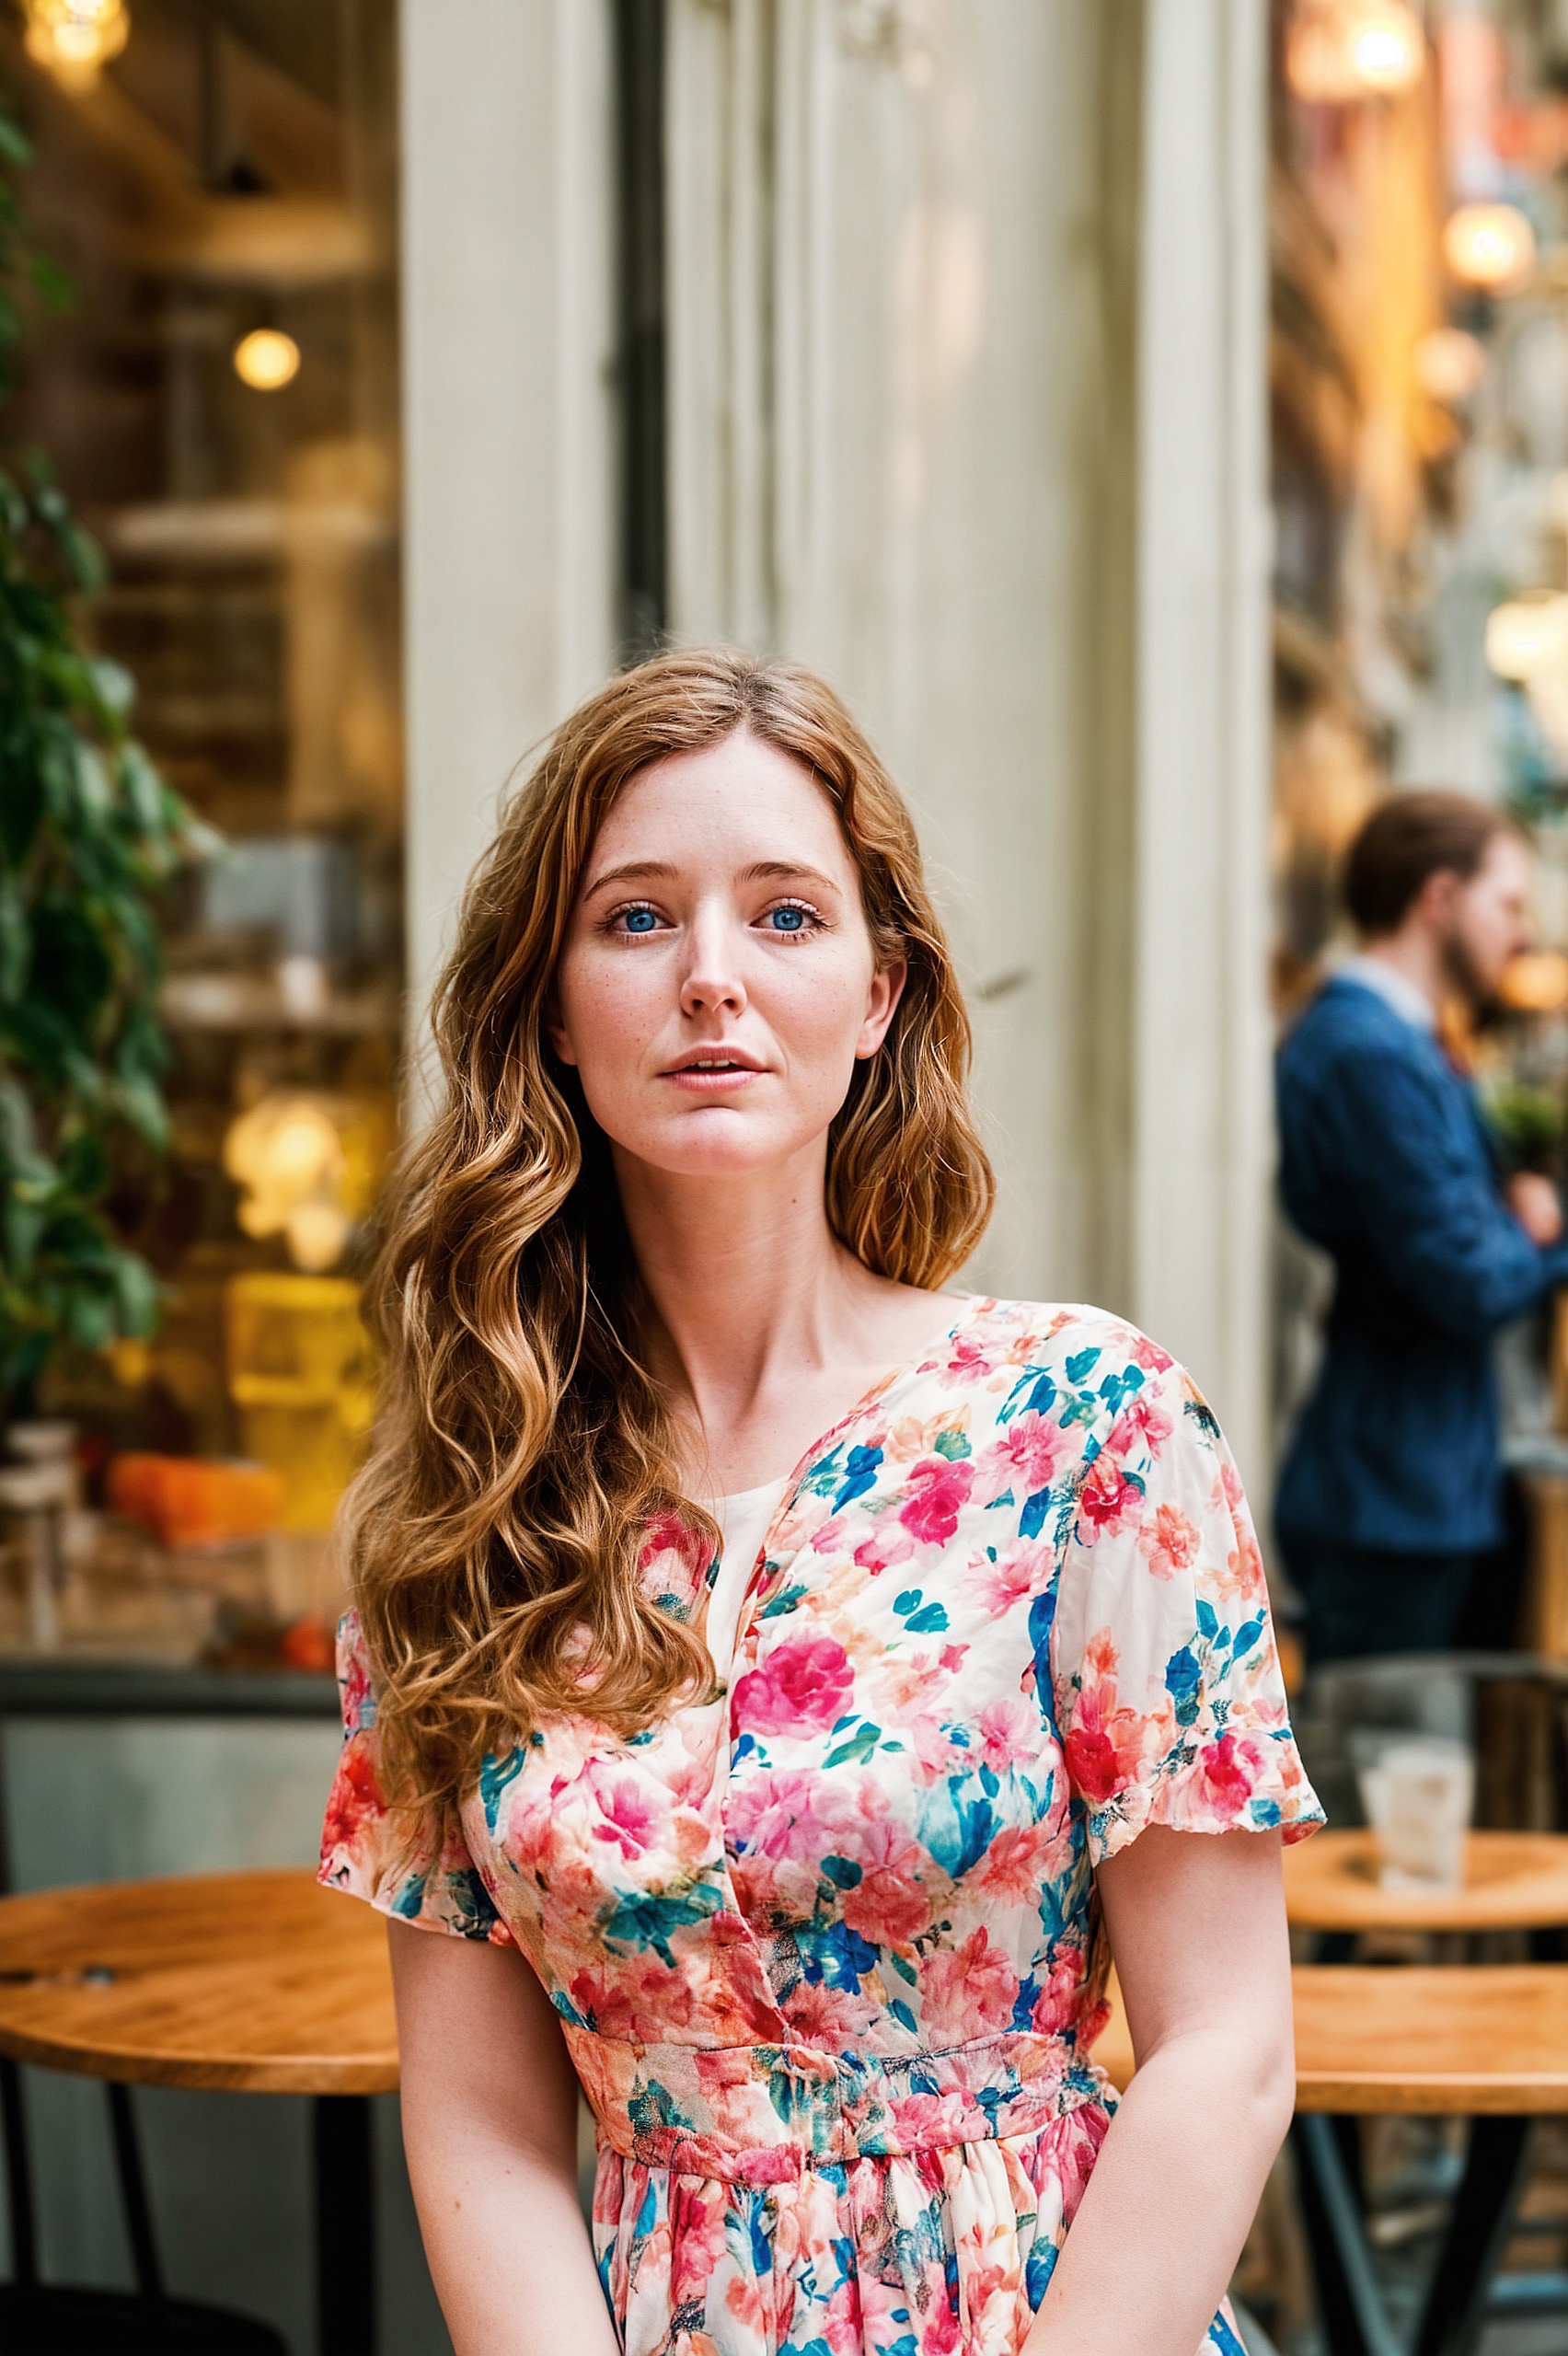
{"type": "Point", "coordinates": [788, 920]}
{"type": "Point", "coordinates": [641, 919]}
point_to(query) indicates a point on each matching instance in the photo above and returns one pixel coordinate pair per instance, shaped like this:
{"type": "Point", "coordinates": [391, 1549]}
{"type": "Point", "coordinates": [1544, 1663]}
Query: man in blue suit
{"type": "Point", "coordinates": [1391, 1496]}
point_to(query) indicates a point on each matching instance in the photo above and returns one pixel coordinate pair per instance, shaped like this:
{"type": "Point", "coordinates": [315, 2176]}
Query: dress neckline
{"type": "Point", "coordinates": [970, 1306]}
{"type": "Point", "coordinates": [790, 1481]}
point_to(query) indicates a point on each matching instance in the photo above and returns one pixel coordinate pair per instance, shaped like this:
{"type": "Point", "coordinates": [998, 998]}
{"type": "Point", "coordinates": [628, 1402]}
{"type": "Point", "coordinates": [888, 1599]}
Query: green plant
{"type": "Point", "coordinates": [88, 832]}
{"type": "Point", "coordinates": [1529, 1123]}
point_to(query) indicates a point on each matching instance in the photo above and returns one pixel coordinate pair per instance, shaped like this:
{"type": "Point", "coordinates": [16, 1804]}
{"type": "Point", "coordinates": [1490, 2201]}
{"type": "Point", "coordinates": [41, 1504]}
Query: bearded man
{"type": "Point", "coordinates": [1390, 1503]}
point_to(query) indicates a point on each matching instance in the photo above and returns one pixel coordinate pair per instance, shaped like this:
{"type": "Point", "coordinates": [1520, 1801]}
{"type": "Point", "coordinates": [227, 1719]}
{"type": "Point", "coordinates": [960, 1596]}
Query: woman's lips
{"type": "Point", "coordinates": [698, 1080]}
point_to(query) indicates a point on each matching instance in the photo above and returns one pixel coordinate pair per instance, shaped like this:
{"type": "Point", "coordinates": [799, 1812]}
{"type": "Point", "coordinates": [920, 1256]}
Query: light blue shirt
{"type": "Point", "coordinates": [1409, 1004]}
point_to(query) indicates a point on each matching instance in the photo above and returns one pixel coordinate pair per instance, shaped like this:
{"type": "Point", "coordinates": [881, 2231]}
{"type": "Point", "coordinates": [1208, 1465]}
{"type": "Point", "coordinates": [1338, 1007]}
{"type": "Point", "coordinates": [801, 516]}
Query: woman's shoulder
{"type": "Point", "coordinates": [1081, 1342]}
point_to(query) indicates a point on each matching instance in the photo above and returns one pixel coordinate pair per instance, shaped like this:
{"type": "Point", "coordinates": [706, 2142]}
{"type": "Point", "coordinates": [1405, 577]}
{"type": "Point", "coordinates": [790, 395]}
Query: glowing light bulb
{"type": "Point", "coordinates": [1343, 49]}
{"type": "Point", "coordinates": [1528, 635]}
{"type": "Point", "coordinates": [266, 359]}
{"type": "Point", "coordinates": [1389, 52]}
{"type": "Point", "coordinates": [74, 37]}
{"type": "Point", "coordinates": [1450, 365]}
{"type": "Point", "coordinates": [1491, 246]}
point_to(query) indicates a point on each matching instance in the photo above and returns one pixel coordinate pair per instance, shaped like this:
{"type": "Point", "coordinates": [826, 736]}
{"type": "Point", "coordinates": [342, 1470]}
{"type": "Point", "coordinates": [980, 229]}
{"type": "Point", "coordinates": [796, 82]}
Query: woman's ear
{"type": "Point", "coordinates": [887, 989]}
{"type": "Point", "coordinates": [554, 1030]}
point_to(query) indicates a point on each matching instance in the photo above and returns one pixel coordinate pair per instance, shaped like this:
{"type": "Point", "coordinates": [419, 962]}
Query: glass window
{"type": "Point", "coordinates": [218, 176]}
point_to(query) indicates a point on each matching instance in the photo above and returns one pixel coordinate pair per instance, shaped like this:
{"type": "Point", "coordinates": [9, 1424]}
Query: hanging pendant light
{"type": "Point", "coordinates": [1489, 246]}
{"type": "Point", "coordinates": [74, 37]}
{"type": "Point", "coordinates": [1342, 50]}
{"type": "Point", "coordinates": [266, 359]}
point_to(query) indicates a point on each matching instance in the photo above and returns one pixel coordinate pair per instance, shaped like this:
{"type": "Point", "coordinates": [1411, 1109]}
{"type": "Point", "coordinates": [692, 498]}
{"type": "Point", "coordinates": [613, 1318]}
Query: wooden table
{"type": "Point", "coordinates": [1514, 1881]}
{"type": "Point", "coordinates": [245, 1982]}
{"type": "Point", "coordinates": [1489, 2041]}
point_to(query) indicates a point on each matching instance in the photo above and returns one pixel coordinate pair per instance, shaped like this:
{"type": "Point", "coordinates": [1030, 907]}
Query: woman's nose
{"type": "Point", "coordinates": [712, 980]}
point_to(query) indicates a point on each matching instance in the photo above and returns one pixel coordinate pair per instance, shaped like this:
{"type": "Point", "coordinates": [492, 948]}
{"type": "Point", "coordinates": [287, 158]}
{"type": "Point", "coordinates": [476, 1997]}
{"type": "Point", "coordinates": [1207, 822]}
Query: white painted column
{"type": "Point", "coordinates": [508, 313]}
{"type": "Point", "coordinates": [1201, 1124]}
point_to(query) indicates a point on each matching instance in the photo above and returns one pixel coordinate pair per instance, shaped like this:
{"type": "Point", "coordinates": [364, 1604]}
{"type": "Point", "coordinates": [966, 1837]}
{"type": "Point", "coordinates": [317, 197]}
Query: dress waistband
{"type": "Point", "coordinates": [761, 2113]}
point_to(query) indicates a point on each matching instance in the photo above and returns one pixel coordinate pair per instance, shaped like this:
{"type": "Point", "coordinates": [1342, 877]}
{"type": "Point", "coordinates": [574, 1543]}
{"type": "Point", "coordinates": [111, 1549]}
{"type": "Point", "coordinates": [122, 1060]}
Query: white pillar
{"type": "Point", "coordinates": [901, 353]}
{"type": "Point", "coordinates": [1202, 1126]}
{"type": "Point", "coordinates": [507, 301]}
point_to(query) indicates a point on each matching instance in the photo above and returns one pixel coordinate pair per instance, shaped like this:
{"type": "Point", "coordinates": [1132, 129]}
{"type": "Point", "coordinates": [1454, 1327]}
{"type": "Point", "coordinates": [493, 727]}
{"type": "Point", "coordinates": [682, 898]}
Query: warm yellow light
{"type": "Point", "coordinates": [266, 358]}
{"type": "Point", "coordinates": [1536, 982]}
{"type": "Point", "coordinates": [1450, 365]}
{"type": "Point", "coordinates": [74, 37]}
{"type": "Point", "coordinates": [1528, 635]}
{"type": "Point", "coordinates": [1343, 49]}
{"type": "Point", "coordinates": [1491, 246]}
{"type": "Point", "coordinates": [1389, 52]}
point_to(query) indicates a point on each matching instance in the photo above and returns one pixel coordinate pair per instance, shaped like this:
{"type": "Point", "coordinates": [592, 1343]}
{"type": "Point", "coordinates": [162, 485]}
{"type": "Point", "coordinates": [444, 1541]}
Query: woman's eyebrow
{"type": "Point", "coordinates": [772, 870]}
{"type": "Point", "coordinates": [762, 870]}
{"type": "Point", "coordinates": [636, 871]}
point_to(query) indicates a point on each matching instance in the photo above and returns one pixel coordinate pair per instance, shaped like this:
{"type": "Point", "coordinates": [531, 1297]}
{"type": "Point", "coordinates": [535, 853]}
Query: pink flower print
{"type": "Point", "coordinates": [626, 1818]}
{"type": "Point", "coordinates": [889, 1904]}
{"type": "Point", "coordinates": [966, 1992]}
{"type": "Point", "coordinates": [888, 1548]}
{"type": "Point", "coordinates": [933, 1745]}
{"type": "Point", "coordinates": [1009, 1733]}
{"type": "Point", "coordinates": [355, 1801]}
{"type": "Point", "coordinates": [1061, 1993]}
{"type": "Point", "coordinates": [937, 1492]}
{"type": "Point", "coordinates": [1229, 1772]}
{"type": "Point", "coordinates": [1142, 1422]}
{"type": "Point", "coordinates": [1105, 1746]}
{"type": "Point", "coordinates": [1027, 1457]}
{"type": "Point", "coordinates": [1020, 1569]}
{"type": "Point", "coordinates": [804, 1684]}
{"type": "Point", "coordinates": [1107, 1499]}
{"type": "Point", "coordinates": [1148, 1354]}
{"type": "Point", "coordinates": [673, 1560]}
{"type": "Point", "coordinates": [782, 1814]}
{"type": "Point", "coordinates": [1015, 1864]}
{"type": "Point", "coordinates": [832, 2017]}
{"type": "Point", "coordinates": [1168, 1543]}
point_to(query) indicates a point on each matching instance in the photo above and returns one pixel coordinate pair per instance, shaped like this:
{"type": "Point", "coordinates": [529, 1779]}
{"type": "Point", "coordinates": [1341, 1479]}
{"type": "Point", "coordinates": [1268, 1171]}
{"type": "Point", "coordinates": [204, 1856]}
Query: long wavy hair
{"type": "Point", "coordinates": [523, 1451]}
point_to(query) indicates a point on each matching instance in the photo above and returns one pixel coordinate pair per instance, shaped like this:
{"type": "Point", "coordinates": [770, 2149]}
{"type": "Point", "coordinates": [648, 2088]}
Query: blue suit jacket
{"type": "Point", "coordinates": [1385, 1162]}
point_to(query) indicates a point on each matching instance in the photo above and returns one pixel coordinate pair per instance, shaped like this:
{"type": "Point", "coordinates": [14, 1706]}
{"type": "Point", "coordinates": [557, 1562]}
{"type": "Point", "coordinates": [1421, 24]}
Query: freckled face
{"type": "Point", "coordinates": [718, 984]}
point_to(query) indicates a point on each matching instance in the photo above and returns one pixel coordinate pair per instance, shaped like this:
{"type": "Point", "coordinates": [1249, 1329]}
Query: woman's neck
{"type": "Point", "coordinates": [765, 1328]}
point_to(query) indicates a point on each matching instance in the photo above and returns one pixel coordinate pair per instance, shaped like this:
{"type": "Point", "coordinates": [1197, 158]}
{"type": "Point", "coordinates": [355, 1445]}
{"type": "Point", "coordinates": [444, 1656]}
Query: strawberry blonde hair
{"type": "Point", "coordinates": [523, 1450]}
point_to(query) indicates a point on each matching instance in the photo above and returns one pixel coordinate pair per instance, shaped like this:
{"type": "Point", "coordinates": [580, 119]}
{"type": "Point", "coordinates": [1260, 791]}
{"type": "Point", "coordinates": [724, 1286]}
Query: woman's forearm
{"type": "Point", "coordinates": [1162, 2221]}
{"type": "Point", "coordinates": [508, 2250]}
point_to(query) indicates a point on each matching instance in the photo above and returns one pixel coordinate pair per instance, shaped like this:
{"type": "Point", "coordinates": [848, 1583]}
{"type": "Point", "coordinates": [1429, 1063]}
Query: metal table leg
{"type": "Point", "coordinates": [345, 2226]}
{"type": "Point", "coordinates": [1483, 2212]}
{"type": "Point", "coordinates": [1354, 2319]}
{"type": "Point", "coordinates": [1350, 2304]}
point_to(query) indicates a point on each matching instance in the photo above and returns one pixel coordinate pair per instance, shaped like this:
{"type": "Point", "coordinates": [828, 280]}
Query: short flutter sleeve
{"type": "Point", "coordinates": [394, 1857]}
{"type": "Point", "coordinates": [1170, 1701]}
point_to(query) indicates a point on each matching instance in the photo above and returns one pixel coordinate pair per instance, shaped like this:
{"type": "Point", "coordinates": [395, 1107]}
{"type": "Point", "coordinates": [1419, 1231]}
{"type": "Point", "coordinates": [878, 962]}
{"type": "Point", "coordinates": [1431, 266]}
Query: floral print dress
{"type": "Point", "coordinates": [826, 1950]}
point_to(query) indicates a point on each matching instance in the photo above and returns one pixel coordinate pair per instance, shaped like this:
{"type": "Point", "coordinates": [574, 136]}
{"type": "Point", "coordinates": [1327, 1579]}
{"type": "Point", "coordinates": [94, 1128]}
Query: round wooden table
{"type": "Point", "coordinates": [1488, 2041]}
{"type": "Point", "coordinates": [245, 1982]}
{"type": "Point", "coordinates": [1514, 1881]}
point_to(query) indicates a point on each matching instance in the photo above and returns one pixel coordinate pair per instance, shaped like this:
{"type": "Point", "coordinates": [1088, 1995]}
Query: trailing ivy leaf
{"type": "Point", "coordinates": [21, 803]}
{"type": "Point", "coordinates": [87, 831]}
{"type": "Point", "coordinates": [56, 286]}
{"type": "Point", "coordinates": [70, 968]}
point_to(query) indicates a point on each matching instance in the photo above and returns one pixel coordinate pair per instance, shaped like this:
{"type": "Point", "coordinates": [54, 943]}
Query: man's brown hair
{"type": "Point", "coordinates": [1407, 839]}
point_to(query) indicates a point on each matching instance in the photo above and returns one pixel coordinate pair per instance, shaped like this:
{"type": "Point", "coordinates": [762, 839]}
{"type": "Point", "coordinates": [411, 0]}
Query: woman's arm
{"type": "Point", "coordinates": [490, 2125]}
{"type": "Point", "coordinates": [1197, 1929]}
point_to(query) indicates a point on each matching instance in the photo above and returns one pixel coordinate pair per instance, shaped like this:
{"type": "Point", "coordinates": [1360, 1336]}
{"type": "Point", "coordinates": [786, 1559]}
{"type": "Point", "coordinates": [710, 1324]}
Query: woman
{"type": "Point", "coordinates": [779, 1671]}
